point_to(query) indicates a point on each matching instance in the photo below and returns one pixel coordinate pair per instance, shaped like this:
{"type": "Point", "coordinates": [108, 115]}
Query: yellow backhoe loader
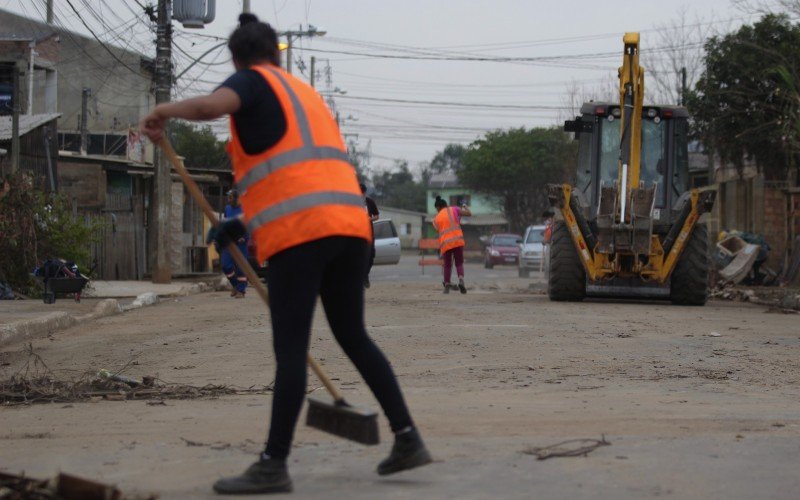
{"type": "Point", "coordinates": [629, 227]}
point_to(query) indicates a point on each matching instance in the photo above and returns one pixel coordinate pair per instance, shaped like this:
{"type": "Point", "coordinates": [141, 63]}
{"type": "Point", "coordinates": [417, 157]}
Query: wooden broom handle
{"type": "Point", "coordinates": [241, 261]}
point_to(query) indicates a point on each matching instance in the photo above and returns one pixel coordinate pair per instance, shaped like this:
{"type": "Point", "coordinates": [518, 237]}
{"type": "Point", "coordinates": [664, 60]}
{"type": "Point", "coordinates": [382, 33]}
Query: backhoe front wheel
{"type": "Point", "coordinates": [567, 277]}
{"type": "Point", "coordinates": [689, 284]}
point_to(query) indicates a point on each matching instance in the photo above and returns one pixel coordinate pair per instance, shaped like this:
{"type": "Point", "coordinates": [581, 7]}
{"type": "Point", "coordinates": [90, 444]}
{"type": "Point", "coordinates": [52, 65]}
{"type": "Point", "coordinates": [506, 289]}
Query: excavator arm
{"type": "Point", "coordinates": [631, 97]}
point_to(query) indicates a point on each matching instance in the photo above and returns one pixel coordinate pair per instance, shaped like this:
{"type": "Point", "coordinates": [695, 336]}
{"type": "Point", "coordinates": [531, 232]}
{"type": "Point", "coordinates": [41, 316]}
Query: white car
{"type": "Point", "coordinates": [532, 251]}
{"type": "Point", "coordinates": [387, 243]}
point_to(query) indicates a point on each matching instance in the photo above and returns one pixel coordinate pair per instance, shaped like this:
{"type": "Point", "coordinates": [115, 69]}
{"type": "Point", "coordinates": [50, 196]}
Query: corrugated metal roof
{"type": "Point", "coordinates": [26, 124]}
{"type": "Point", "coordinates": [443, 180]}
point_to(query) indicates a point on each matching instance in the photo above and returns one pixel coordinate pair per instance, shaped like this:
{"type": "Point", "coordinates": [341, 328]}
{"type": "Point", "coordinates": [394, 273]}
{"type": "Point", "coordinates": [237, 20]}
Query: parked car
{"type": "Point", "coordinates": [532, 251]}
{"type": "Point", "coordinates": [502, 249]}
{"type": "Point", "coordinates": [387, 243]}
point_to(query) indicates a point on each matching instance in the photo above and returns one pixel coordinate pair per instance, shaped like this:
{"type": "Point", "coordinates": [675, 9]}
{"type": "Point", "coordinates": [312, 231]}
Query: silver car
{"type": "Point", "coordinates": [532, 251]}
{"type": "Point", "coordinates": [387, 243]}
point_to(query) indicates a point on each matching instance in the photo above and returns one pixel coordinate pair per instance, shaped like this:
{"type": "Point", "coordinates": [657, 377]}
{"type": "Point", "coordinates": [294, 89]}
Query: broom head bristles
{"type": "Point", "coordinates": [341, 419]}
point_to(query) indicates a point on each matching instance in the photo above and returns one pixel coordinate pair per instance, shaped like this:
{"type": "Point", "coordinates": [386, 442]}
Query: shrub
{"type": "Point", "coordinates": [36, 226]}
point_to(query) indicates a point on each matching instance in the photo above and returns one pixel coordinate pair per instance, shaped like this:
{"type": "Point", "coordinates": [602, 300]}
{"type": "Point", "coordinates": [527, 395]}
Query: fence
{"type": "Point", "coordinates": [120, 251]}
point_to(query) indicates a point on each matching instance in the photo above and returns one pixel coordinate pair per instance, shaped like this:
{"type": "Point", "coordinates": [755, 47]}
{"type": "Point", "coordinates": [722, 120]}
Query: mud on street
{"type": "Point", "coordinates": [697, 402]}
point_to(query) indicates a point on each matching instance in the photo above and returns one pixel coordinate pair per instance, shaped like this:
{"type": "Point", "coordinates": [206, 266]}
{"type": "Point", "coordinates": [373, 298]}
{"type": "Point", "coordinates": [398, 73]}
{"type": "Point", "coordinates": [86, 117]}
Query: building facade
{"type": "Point", "coordinates": [487, 217]}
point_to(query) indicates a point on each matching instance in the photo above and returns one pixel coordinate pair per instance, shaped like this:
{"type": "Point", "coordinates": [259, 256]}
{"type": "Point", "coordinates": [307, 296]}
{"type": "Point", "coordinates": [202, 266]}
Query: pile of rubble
{"type": "Point", "coordinates": [774, 297]}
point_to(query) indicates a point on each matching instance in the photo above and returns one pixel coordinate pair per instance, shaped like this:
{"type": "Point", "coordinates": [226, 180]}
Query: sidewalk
{"type": "Point", "coordinates": [24, 319]}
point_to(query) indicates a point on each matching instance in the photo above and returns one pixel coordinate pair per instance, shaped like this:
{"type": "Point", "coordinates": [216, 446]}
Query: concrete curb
{"type": "Point", "coordinates": [52, 322]}
{"type": "Point", "coordinates": [34, 328]}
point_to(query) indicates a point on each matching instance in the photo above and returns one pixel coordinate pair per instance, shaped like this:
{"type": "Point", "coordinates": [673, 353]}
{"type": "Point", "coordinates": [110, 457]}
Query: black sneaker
{"type": "Point", "coordinates": [265, 476]}
{"type": "Point", "coordinates": [366, 282]}
{"type": "Point", "coordinates": [408, 452]}
{"type": "Point", "coordinates": [461, 285]}
{"type": "Point", "coordinates": [446, 288]}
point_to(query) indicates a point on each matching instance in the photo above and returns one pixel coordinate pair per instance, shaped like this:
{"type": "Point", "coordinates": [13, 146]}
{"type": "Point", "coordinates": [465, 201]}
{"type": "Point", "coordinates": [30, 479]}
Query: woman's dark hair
{"type": "Point", "coordinates": [254, 41]}
{"type": "Point", "coordinates": [439, 203]}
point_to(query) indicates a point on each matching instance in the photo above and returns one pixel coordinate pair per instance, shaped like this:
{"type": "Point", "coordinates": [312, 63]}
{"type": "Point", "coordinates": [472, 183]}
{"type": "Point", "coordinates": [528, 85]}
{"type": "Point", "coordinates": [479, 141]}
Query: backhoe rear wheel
{"type": "Point", "coordinates": [689, 286]}
{"type": "Point", "coordinates": [567, 277]}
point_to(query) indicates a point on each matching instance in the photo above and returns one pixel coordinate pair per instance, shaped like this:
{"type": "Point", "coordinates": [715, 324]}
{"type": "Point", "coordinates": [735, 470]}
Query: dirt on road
{"type": "Point", "coordinates": [697, 402]}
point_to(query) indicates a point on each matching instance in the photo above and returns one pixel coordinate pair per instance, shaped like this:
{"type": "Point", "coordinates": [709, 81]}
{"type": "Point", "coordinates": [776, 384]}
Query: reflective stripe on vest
{"type": "Point", "coordinates": [303, 202]}
{"type": "Point", "coordinates": [308, 151]}
{"type": "Point", "coordinates": [288, 158]}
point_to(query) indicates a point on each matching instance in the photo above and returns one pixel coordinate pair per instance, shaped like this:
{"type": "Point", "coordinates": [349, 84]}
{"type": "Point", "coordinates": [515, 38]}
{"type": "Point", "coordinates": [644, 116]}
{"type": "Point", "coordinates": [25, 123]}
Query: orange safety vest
{"type": "Point", "coordinates": [450, 234]}
{"type": "Point", "coordinates": [303, 188]}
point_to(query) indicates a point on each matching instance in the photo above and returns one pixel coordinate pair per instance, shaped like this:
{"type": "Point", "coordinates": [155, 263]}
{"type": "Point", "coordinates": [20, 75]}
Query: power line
{"type": "Point", "coordinates": [136, 72]}
{"type": "Point", "coordinates": [458, 104]}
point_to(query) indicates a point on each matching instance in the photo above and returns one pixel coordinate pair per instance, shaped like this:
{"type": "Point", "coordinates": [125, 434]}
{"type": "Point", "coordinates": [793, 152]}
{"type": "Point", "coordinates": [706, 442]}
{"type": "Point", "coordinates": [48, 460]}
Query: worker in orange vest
{"type": "Point", "coordinates": [451, 241]}
{"type": "Point", "coordinates": [303, 207]}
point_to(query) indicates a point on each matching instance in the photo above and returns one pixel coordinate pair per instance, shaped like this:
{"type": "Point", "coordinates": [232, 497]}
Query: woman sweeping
{"type": "Point", "coordinates": [303, 207]}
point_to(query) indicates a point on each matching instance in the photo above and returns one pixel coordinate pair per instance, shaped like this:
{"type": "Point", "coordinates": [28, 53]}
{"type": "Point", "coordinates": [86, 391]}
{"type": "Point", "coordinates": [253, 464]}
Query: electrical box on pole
{"type": "Point", "coordinates": [194, 13]}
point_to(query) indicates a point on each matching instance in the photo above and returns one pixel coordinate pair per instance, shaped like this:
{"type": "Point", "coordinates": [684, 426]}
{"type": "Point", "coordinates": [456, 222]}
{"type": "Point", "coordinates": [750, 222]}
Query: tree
{"type": "Point", "coordinates": [397, 188]}
{"type": "Point", "coordinates": [678, 48]}
{"type": "Point", "coordinates": [516, 165]}
{"type": "Point", "coordinates": [450, 159]}
{"type": "Point", "coordinates": [38, 226]}
{"type": "Point", "coordinates": [198, 145]}
{"type": "Point", "coordinates": [746, 103]}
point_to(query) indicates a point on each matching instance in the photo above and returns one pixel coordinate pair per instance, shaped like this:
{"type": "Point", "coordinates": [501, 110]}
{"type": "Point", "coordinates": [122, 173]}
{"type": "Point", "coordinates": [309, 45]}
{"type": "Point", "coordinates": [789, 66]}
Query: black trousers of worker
{"type": "Point", "coordinates": [371, 257]}
{"type": "Point", "coordinates": [333, 269]}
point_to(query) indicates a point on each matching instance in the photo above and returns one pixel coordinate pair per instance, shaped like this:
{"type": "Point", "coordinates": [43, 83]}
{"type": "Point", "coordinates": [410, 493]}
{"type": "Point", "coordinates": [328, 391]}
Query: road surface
{"type": "Point", "coordinates": [695, 402]}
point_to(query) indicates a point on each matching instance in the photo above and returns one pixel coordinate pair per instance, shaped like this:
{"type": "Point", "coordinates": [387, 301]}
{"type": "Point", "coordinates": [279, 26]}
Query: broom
{"type": "Point", "coordinates": [335, 415]}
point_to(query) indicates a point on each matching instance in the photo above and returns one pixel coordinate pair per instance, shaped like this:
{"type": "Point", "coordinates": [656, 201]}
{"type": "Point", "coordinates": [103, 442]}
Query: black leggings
{"type": "Point", "coordinates": [332, 268]}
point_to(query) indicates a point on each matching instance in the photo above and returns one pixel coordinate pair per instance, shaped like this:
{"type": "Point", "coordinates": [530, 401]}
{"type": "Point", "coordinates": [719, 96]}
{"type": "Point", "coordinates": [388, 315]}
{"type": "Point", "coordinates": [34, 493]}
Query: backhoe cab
{"type": "Point", "coordinates": [629, 227]}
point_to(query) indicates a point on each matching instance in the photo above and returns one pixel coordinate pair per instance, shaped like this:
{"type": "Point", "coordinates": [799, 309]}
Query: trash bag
{"type": "Point", "coordinates": [6, 293]}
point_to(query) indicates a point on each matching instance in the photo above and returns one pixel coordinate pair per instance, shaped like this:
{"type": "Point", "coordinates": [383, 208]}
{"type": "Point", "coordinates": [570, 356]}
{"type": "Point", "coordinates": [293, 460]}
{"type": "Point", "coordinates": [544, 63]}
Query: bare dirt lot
{"type": "Point", "coordinates": [696, 402]}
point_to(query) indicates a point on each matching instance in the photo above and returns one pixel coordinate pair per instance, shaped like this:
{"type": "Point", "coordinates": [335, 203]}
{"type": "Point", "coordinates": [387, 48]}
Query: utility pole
{"type": "Point", "coordinates": [289, 54]}
{"type": "Point", "coordinates": [246, 6]}
{"type": "Point", "coordinates": [15, 122]}
{"type": "Point", "coordinates": [32, 48]}
{"type": "Point", "coordinates": [49, 11]}
{"type": "Point", "coordinates": [313, 70]}
{"type": "Point", "coordinates": [683, 87]}
{"type": "Point", "coordinates": [159, 227]}
{"type": "Point", "coordinates": [85, 119]}
{"type": "Point", "coordinates": [291, 35]}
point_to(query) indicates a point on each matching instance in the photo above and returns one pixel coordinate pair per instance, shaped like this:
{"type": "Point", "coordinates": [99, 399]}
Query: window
{"type": "Point", "coordinates": [504, 241]}
{"type": "Point", "coordinates": [652, 168]}
{"type": "Point", "coordinates": [118, 182]}
{"type": "Point", "coordinates": [535, 236]}
{"type": "Point", "coordinates": [583, 175]}
{"type": "Point", "coordinates": [405, 229]}
{"type": "Point", "coordinates": [457, 200]}
{"type": "Point", "coordinates": [384, 229]}
{"type": "Point", "coordinates": [680, 170]}
{"type": "Point", "coordinates": [652, 165]}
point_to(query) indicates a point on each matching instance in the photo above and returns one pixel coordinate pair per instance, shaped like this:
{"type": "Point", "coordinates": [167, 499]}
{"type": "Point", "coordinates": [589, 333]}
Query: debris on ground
{"type": "Point", "coordinates": [6, 293]}
{"type": "Point", "coordinates": [36, 383]}
{"type": "Point", "coordinates": [740, 257]}
{"type": "Point", "coordinates": [63, 487]}
{"type": "Point", "coordinates": [248, 446]}
{"type": "Point", "coordinates": [773, 297]}
{"type": "Point", "coordinates": [569, 448]}
{"type": "Point", "coordinates": [735, 258]}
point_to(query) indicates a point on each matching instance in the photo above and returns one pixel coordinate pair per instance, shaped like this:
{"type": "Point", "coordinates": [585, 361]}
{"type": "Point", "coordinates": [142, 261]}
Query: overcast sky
{"type": "Point", "coordinates": [410, 76]}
